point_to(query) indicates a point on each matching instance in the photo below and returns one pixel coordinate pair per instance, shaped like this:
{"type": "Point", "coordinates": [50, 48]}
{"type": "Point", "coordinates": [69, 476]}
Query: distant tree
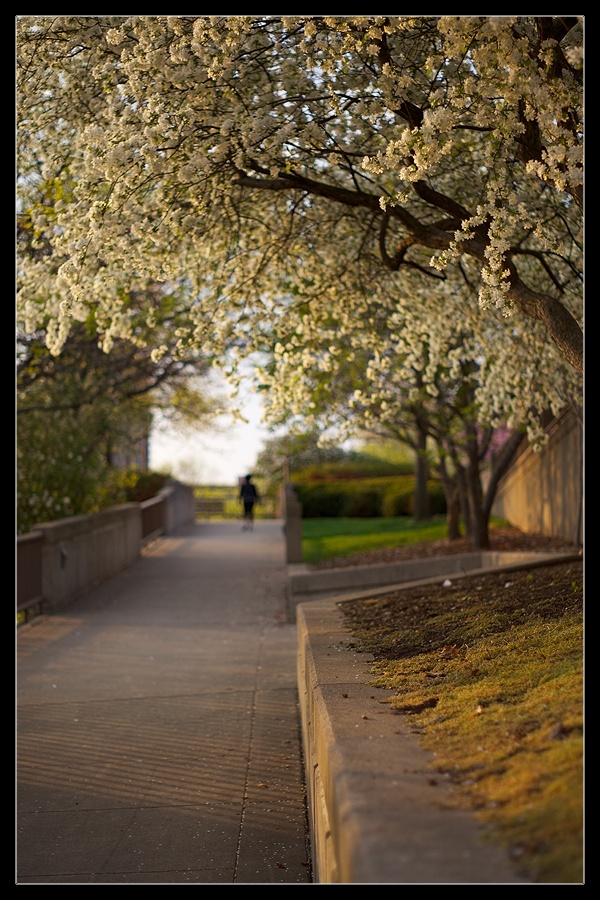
{"type": "Point", "coordinates": [65, 454]}
{"type": "Point", "coordinates": [427, 383]}
{"type": "Point", "coordinates": [80, 414]}
{"type": "Point", "coordinates": [285, 455]}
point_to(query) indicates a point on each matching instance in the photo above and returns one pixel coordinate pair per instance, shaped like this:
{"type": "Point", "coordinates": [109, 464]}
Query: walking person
{"type": "Point", "coordinates": [248, 496]}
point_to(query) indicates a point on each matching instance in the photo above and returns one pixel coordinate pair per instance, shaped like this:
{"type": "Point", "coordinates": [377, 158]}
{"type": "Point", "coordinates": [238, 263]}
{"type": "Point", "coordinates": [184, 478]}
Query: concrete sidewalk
{"type": "Point", "coordinates": [158, 732]}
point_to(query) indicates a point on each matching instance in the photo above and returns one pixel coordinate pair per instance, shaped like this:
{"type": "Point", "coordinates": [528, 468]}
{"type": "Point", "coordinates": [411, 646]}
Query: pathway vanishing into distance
{"type": "Point", "coordinates": [158, 733]}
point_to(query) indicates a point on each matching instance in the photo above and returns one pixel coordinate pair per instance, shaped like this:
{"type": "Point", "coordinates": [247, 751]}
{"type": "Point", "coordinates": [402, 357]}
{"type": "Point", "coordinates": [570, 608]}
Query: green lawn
{"type": "Point", "coordinates": [324, 539]}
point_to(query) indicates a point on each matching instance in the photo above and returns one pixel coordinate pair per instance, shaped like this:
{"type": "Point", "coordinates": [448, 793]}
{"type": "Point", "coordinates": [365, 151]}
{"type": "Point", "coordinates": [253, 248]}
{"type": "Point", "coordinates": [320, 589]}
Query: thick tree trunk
{"type": "Point", "coordinates": [479, 538]}
{"type": "Point", "coordinates": [453, 516]}
{"type": "Point", "coordinates": [463, 494]}
{"type": "Point", "coordinates": [562, 327]}
{"type": "Point", "coordinates": [422, 504]}
{"type": "Point", "coordinates": [452, 503]}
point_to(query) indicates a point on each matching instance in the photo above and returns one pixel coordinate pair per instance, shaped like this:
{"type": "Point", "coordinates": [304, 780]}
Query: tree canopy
{"type": "Point", "coordinates": [388, 210]}
{"type": "Point", "coordinates": [251, 163]}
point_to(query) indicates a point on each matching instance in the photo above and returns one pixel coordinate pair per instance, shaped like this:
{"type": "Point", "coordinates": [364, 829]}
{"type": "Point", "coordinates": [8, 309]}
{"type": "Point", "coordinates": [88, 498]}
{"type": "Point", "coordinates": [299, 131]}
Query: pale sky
{"type": "Point", "coordinates": [212, 457]}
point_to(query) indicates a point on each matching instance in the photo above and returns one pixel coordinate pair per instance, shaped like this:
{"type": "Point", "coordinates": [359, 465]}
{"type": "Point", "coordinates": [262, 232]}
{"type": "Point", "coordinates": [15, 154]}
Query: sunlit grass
{"type": "Point", "coordinates": [491, 676]}
{"type": "Point", "coordinates": [324, 539]}
{"type": "Point", "coordinates": [498, 704]}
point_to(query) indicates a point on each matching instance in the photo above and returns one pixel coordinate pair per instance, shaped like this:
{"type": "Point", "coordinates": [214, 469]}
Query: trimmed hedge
{"type": "Point", "coordinates": [365, 497]}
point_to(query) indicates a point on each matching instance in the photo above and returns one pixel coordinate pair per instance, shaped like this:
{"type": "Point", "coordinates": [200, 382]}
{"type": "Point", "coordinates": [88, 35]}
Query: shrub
{"type": "Point", "coordinates": [321, 500]}
{"type": "Point", "coordinates": [145, 486]}
{"type": "Point", "coordinates": [352, 470]}
{"type": "Point", "coordinates": [366, 504]}
{"type": "Point", "coordinates": [365, 497]}
{"type": "Point", "coordinates": [398, 500]}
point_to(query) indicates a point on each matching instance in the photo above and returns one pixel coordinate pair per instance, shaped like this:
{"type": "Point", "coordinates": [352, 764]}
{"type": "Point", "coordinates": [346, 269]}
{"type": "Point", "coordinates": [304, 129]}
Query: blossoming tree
{"type": "Point", "coordinates": [425, 378]}
{"type": "Point", "coordinates": [243, 156]}
{"type": "Point", "coordinates": [424, 169]}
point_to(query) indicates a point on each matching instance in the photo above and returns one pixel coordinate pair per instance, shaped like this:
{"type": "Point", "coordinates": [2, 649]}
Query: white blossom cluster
{"type": "Point", "coordinates": [184, 151]}
{"type": "Point", "coordinates": [337, 378]}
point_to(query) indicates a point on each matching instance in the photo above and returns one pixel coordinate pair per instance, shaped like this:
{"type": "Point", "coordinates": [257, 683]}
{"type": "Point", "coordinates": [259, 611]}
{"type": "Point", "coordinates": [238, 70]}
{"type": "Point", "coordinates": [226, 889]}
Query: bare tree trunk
{"type": "Point", "coordinates": [479, 538]}
{"type": "Point", "coordinates": [463, 493]}
{"type": "Point", "coordinates": [452, 503]}
{"type": "Point", "coordinates": [453, 516]}
{"type": "Point", "coordinates": [422, 504]}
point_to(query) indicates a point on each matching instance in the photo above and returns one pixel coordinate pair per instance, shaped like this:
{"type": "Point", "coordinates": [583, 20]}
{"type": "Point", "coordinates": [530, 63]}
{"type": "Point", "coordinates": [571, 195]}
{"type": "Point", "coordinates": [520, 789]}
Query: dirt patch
{"type": "Point", "coordinates": [428, 618]}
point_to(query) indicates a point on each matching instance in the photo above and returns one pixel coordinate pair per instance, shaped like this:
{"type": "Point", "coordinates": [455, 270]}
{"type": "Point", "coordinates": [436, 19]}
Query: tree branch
{"type": "Point", "coordinates": [562, 326]}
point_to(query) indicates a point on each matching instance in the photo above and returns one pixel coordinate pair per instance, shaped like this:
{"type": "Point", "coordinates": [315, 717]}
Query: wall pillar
{"type": "Point", "coordinates": [292, 516]}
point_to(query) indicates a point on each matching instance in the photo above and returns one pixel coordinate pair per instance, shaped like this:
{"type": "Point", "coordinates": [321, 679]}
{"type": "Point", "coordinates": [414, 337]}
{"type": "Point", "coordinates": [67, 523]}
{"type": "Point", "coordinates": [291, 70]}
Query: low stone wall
{"type": "Point", "coordinates": [59, 561]}
{"type": "Point", "coordinates": [81, 551]}
{"type": "Point", "coordinates": [29, 573]}
{"type": "Point", "coordinates": [376, 815]}
{"type": "Point", "coordinates": [313, 584]}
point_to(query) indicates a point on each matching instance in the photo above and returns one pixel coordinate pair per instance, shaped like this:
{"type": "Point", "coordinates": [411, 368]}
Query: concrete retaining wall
{"type": "Point", "coordinates": [179, 506]}
{"type": "Point", "coordinates": [81, 551]}
{"type": "Point", "coordinates": [306, 584]}
{"type": "Point", "coordinates": [59, 561]}
{"type": "Point", "coordinates": [376, 815]}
